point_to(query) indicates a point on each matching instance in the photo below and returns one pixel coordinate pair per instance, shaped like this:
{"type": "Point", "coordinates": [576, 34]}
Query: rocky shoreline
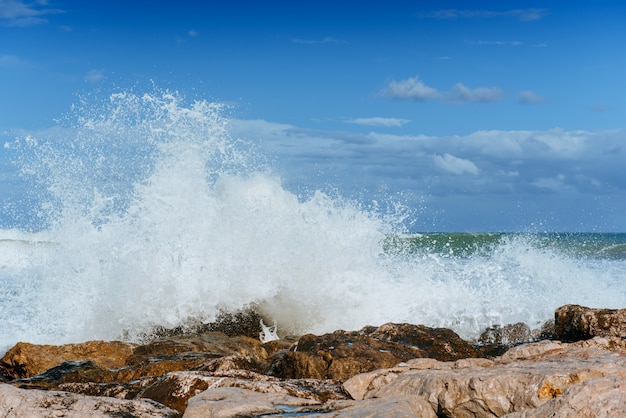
{"type": "Point", "coordinates": [573, 367]}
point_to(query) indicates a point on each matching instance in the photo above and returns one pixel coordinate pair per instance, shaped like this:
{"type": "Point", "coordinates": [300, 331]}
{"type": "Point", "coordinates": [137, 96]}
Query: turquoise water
{"type": "Point", "coordinates": [591, 246]}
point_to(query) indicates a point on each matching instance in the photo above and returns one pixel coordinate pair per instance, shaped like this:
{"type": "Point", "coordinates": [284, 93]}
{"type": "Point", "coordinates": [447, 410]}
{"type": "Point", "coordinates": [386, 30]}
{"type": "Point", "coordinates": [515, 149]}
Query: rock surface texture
{"type": "Point", "coordinates": [574, 322]}
{"type": "Point", "coordinates": [398, 370]}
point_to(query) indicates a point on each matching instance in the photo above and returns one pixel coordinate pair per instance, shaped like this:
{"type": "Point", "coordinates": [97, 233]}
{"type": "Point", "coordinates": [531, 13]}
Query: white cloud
{"type": "Point", "coordinates": [530, 97]}
{"type": "Point", "coordinates": [377, 121]}
{"type": "Point", "coordinates": [481, 94]}
{"type": "Point", "coordinates": [192, 33]}
{"type": "Point", "coordinates": [484, 162]}
{"type": "Point", "coordinates": [415, 89]}
{"type": "Point", "coordinates": [496, 43]}
{"type": "Point", "coordinates": [326, 40]}
{"type": "Point", "coordinates": [94, 76]}
{"type": "Point", "coordinates": [553, 183]}
{"type": "Point", "coordinates": [20, 13]}
{"type": "Point", "coordinates": [524, 15]}
{"type": "Point", "coordinates": [455, 165]}
{"type": "Point", "coordinates": [411, 88]}
{"type": "Point", "coordinates": [537, 168]}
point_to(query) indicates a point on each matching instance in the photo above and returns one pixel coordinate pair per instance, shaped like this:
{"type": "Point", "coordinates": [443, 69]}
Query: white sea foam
{"type": "Point", "coordinates": [156, 216]}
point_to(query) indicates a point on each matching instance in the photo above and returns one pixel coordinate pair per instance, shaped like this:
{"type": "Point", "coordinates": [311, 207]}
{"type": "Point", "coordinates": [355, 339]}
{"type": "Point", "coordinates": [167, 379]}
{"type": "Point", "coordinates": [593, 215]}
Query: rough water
{"type": "Point", "coordinates": [145, 212]}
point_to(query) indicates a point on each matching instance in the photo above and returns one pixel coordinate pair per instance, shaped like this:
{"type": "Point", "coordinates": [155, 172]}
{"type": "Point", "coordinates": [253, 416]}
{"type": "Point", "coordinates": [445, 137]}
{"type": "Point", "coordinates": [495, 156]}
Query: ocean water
{"type": "Point", "coordinates": [145, 212]}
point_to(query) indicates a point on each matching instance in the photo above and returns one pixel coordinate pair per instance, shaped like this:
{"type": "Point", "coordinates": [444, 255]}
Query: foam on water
{"type": "Point", "coordinates": [155, 216]}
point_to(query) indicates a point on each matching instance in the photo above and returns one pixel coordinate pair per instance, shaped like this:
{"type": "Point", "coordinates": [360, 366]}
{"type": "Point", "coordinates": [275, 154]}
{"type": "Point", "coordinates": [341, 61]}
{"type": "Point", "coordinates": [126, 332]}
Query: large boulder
{"type": "Point", "coordinates": [18, 403]}
{"type": "Point", "coordinates": [26, 360]}
{"type": "Point", "coordinates": [216, 343]}
{"type": "Point", "coordinates": [342, 354]}
{"type": "Point", "coordinates": [575, 322]}
{"type": "Point", "coordinates": [525, 378]}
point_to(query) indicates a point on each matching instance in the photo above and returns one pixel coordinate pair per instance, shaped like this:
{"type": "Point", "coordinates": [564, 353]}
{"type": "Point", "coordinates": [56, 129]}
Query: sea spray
{"type": "Point", "coordinates": [152, 215]}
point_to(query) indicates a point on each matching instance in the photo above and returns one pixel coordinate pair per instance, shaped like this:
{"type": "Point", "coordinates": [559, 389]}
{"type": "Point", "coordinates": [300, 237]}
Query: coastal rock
{"type": "Point", "coordinates": [411, 370]}
{"type": "Point", "coordinates": [523, 379]}
{"type": "Point", "coordinates": [175, 389]}
{"type": "Point", "coordinates": [18, 403]}
{"type": "Point", "coordinates": [342, 354]}
{"type": "Point", "coordinates": [575, 322]}
{"type": "Point", "coordinates": [216, 343]}
{"type": "Point", "coordinates": [508, 334]}
{"type": "Point", "coordinates": [26, 360]}
{"type": "Point", "coordinates": [82, 370]}
{"type": "Point", "coordinates": [601, 398]}
{"type": "Point", "coordinates": [231, 401]}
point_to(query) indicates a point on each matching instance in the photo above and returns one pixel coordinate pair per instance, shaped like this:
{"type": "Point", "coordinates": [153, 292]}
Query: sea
{"type": "Point", "coordinates": [143, 211]}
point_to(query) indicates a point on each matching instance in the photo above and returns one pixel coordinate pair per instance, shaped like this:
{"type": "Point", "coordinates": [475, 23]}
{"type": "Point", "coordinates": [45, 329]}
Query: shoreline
{"type": "Point", "coordinates": [413, 369]}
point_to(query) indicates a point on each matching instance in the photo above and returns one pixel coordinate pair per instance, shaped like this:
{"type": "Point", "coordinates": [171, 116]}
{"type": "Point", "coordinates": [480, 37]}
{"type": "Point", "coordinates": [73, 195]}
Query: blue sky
{"type": "Point", "coordinates": [484, 116]}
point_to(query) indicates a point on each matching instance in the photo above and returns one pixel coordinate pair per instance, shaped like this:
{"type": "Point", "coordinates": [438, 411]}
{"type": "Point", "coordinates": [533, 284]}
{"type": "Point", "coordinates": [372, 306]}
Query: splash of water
{"type": "Point", "coordinates": [155, 216]}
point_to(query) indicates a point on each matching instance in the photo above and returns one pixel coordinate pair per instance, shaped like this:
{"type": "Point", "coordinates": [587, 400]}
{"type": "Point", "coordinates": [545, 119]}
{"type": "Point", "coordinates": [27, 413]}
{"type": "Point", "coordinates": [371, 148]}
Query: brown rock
{"type": "Point", "coordinates": [217, 343]}
{"type": "Point", "coordinates": [26, 360]}
{"type": "Point", "coordinates": [341, 354]}
{"type": "Point", "coordinates": [575, 323]}
{"type": "Point", "coordinates": [438, 343]}
{"type": "Point", "coordinates": [19, 403]}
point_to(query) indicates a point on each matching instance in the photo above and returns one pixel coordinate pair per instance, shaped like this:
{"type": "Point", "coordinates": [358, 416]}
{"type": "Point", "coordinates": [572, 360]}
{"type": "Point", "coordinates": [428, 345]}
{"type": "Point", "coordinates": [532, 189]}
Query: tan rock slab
{"type": "Point", "coordinates": [21, 403]}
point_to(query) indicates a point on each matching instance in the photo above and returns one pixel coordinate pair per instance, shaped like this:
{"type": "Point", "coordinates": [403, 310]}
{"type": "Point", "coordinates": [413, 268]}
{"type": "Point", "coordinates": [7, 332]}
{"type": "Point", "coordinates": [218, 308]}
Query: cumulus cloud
{"type": "Point", "coordinates": [455, 165]}
{"type": "Point", "coordinates": [524, 15]}
{"type": "Point", "coordinates": [496, 171]}
{"type": "Point", "coordinates": [530, 97]}
{"type": "Point", "coordinates": [481, 94]}
{"type": "Point", "coordinates": [415, 89]}
{"type": "Point", "coordinates": [378, 121]}
{"type": "Point", "coordinates": [20, 13]}
{"type": "Point", "coordinates": [411, 88]}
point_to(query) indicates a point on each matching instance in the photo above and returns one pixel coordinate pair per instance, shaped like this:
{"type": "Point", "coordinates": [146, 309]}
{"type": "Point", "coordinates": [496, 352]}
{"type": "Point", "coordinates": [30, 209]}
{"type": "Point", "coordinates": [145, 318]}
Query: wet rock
{"type": "Point", "coordinates": [18, 403]}
{"type": "Point", "coordinates": [216, 343]}
{"type": "Point", "coordinates": [141, 366]}
{"type": "Point", "coordinates": [575, 322]}
{"type": "Point", "coordinates": [506, 335]}
{"type": "Point", "coordinates": [245, 322]}
{"type": "Point", "coordinates": [341, 354]}
{"type": "Point", "coordinates": [76, 370]}
{"type": "Point", "coordinates": [545, 332]}
{"type": "Point", "coordinates": [26, 360]}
